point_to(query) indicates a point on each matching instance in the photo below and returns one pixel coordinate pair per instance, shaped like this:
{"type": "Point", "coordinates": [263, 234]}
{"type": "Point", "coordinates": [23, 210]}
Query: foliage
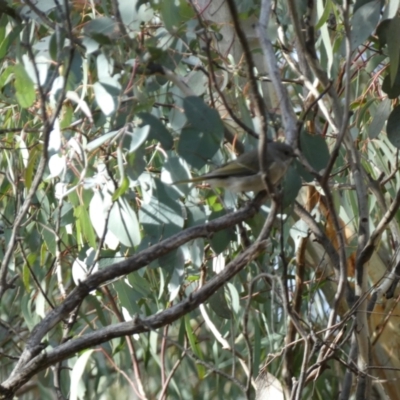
{"type": "Point", "coordinates": [116, 282]}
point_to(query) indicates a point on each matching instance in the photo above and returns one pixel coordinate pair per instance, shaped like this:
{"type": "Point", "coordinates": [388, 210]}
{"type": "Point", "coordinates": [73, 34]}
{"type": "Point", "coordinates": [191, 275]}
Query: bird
{"type": "Point", "coordinates": [243, 174]}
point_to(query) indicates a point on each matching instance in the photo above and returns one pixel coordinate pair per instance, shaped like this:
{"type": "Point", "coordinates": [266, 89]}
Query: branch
{"type": "Point", "coordinates": [260, 108]}
{"type": "Point", "coordinates": [318, 233]}
{"type": "Point", "coordinates": [289, 117]}
{"type": "Point", "coordinates": [138, 325]}
{"type": "Point", "coordinates": [302, 49]}
{"type": "Point", "coordinates": [369, 249]}
{"type": "Point", "coordinates": [125, 267]}
{"type": "Point", "coordinates": [48, 126]}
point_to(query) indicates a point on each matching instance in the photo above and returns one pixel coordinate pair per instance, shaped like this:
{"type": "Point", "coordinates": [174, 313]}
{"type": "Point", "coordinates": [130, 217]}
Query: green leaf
{"type": "Point", "coordinates": [77, 372]}
{"type": "Point", "coordinates": [5, 76]}
{"type": "Point", "coordinates": [99, 205]}
{"type": "Point", "coordinates": [101, 312]}
{"type": "Point", "coordinates": [382, 31]}
{"type": "Point", "coordinates": [364, 22]}
{"type": "Point", "coordinates": [101, 29]}
{"type": "Point", "coordinates": [53, 45]}
{"type": "Point", "coordinates": [174, 170]}
{"type": "Point", "coordinates": [315, 150]}
{"type": "Point", "coordinates": [66, 215]}
{"type": "Point", "coordinates": [186, 10]}
{"type": "Point", "coordinates": [140, 286]}
{"type": "Point", "coordinates": [174, 263]}
{"type": "Point", "coordinates": [127, 297]}
{"type": "Point", "coordinates": [100, 140]}
{"type": "Point", "coordinates": [392, 89]}
{"type": "Point", "coordinates": [325, 34]}
{"type": "Point", "coordinates": [34, 154]}
{"type": "Point", "coordinates": [234, 298]}
{"type": "Point", "coordinates": [196, 252]}
{"type": "Point", "coordinates": [219, 305]}
{"type": "Point", "coordinates": [67, 116]}
{"type": "Point", "coordinates": [133, 15]}
{"type": "Point", "coordinates": [201, 116]}
{"type": "Point", "coordinates": [158, 131]}
{"type": "Point", "coordinates": [123, 223]}
{"type": "Point", "coordinates": [391, 9]}
{"type": "Point", "coordinates": [194, 346]}
{"type": "Point", "coordinates": [82, 216]}
{"type": "Point", "coordinates": [196, 147]}
{"type": "Point", "coordinates": [393, 127]}
{"type": "Point", "coordinates": [394, 47]}
{"type": "Point", "coordinates": [90, 45]}
{"type": "Point", "coordinates": [256, 223]}
{"type": "Point", "coordinates": [25, 278]}
{"type": "Point", "coordinates": [291, 186]}
{"type": "Point", "coordinates": [7, 41]}
{"type": "Point", "coordinates": [220, 240]}
{"type": "Point", "coordinates": [25, 308]}
{"type": "Point", "coordinates": [25, 91]}
{"type": "Point", "coordinates": [139, 3]}
{"type": "Point", "coordinates": [4, 39]}
{"type": "Point", "coordinates": [136, 164]}
{"type": "Point", "coordinates": [380, 117]}
{"type": "Point", "coordinates": [121, 189]}
{"type": "Point", "coordinates": [162, 216]}
{"type": "Point", "coordinates": [196, 214]}
{"type": "Point", "coordinates": [49, 239]}
{"type": "Point", "coordinates": [170, 15]}
{"type": "Point", "coordinates": [325, 15]}
{"type": "Point", "coordinates": [106, 94]}
{"type": "Point", "coordinates": [359, 3]}
{"type": "Point", "coordinates": [133, 140]}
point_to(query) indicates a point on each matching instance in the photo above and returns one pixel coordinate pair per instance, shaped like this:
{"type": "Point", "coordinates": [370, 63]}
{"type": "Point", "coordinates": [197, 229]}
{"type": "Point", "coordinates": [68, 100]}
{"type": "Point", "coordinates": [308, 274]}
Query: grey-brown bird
{"type": "Point", "coordinates": [243, 174]}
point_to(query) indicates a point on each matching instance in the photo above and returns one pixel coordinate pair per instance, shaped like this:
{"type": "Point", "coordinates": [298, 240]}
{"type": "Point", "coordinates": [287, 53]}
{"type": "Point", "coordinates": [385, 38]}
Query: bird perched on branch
{"type": "Point", "coordinates": [243, 174]}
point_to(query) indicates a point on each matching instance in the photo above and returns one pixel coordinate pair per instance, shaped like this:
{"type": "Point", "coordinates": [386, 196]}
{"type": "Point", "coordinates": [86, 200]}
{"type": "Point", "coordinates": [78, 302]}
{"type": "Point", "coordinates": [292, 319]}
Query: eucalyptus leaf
{"type": "Point", "coordinates": [127, 296]}
{"type": "Point", "coordinates": [364, 22]}
{"type": "Point", "coordinates": [291, 186]}
{"type": "Point", "coordinates": [102, 29]}
{"type": "Point", "coordinates": [220, 240]}
{"type": "Point", "coordinates": [77, 372]}
{"type": "Point", "coordinates": [393, 127]}
{"type": "Point", "coordinates": [171, 15]}
{"type": "Point", "coordinates": [123, 223]}
{"type": "Point", "coordinates": [158, 131]}
{"type": "Point", "coordinates": [25, 91]}
{"type": "Point", "coordinates": [106, 96]}
{"type": "Point", "coordinates": [162, 217]}
{"type": "Point", "coordinates": [392, 88]}
{"type": "Point", "coordinates": [382, 31]}
{"type": "Point", "coordinates": [391, 9]}
{"type": "Point", "coordinates": [134, 12]}
{"type": "Point", "coordinates": [133, 140]}
{"type": "Point", "coordinates": [99, 141]}
{"type": "Point", "coordinates": [196, 147]}
{"type": "Point", "coordinates": [380, 118]}
{"type": "Point", "coordinates": [219, 304]}
{"type": "Point", "coordinates": [203, 117]}
{"type": "Point", "coordinates": [394, 47]}
{"type": "Point", "coordinates": [174, 169]}
{"type": "Point", "coordinates": [196, 251]}
{"type": "Point", "coordinates": [315, 150]}
{"type": "Point", "coordinates": [140, 286]}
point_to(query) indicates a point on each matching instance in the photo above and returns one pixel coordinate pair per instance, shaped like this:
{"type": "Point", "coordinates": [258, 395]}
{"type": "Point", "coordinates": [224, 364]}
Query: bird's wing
{"type": "Point", "coordinates": [246, 164]}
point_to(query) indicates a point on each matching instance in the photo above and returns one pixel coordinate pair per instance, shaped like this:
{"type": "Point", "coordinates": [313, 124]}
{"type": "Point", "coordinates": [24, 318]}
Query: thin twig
{"type": "Point", "coordinates": [289, 117]}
